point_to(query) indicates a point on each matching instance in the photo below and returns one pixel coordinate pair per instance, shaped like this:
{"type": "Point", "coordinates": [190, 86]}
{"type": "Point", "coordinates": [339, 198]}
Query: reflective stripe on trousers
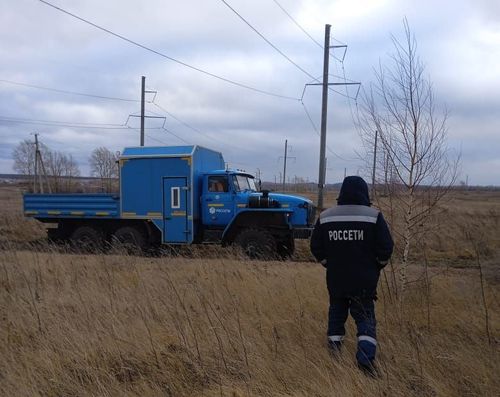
{"type": "Point", "coordinates": [363, 312]}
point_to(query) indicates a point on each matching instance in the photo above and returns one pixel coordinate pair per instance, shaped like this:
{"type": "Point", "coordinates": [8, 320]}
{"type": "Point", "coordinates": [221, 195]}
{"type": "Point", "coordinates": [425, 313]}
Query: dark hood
{"type": "Point", "coordinates": [354, 190]}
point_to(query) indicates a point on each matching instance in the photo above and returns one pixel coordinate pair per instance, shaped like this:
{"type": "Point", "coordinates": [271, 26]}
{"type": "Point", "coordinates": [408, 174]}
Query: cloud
{"type": "Point", "coordinates": [457, 40]}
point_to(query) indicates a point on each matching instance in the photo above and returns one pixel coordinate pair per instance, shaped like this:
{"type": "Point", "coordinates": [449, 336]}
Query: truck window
{"type": "Point", "coordinates": [243, 182]}
{"type": "Point", "coordinates": [217, 183]}
{"type": "Point", "coordinates": [175, 196]}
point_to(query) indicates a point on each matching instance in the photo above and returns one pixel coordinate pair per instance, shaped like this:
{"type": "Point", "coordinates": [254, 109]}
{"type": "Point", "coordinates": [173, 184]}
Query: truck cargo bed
{"type": "Point", "coordinates": [47, 206]}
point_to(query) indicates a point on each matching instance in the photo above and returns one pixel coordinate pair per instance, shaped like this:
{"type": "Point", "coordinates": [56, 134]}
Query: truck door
{"type": "Point", "coordinates": [218, 201]}
{"type": "Point", "coordinates": [175, 210]}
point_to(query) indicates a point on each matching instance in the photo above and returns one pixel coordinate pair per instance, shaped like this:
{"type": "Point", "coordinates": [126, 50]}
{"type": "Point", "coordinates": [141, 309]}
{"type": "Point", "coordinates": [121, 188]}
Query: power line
{"type": "Point", "coordinates": [297, 24]}
{"type": "Point", "coordinates": [61, 123]}
{"type": "Point", "coordinates": [144, 47]}
{"type": "Point", "coordinates": [181, 121]}
{"type": "Point", "coordinates": [156, 139]}
{"type": "Point", "coordinates": [197, 130]}
{"type": "Point", "coordinates": [269, 42]}
{"type": "Point", "coordinates": [177, 136]}
{"type": "Point", "coordinates": [305, 31]}
{"type": "Point", "coordinates": [356, 125]}
{"type": "Point", "coordinates": [315, 128]}
{"type": "Point", "coordinates": [100, 126]}
{"type": "Point", "coordinates": [67, 91]}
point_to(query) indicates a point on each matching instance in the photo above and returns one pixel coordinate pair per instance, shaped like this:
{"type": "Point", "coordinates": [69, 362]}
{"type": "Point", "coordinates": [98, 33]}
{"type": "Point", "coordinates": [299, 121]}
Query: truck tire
{"type": "Point", "coordinates": [257, 243]}
{"type": "Point", "coordinates": [54, 235]}
{"type": "Point", "coordinates": [130, 239]}
{"type": "Point", "coordinates": [87, 239]}
{"type": "Point", "coordinates": [286, 249]}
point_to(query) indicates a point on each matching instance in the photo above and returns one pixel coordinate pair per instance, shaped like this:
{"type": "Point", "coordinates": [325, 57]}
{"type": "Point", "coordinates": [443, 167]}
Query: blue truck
{"type": "Point", "coordinates": [177, 195]}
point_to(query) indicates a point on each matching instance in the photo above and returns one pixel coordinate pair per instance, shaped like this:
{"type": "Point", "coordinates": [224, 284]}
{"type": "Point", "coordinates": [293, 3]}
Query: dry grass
{"type": "Point", "coordinates": [117, 325]}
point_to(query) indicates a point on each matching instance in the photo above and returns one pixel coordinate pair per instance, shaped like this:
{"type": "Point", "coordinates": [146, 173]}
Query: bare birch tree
{"type": "Point", "coordinates": [103, 164]}
{"type": "Point", "coordinates": [55, 167]}
{"type": "Point", "coordinates": [62, 169]}
{"type": "Point", "coordinates": [417, 166]}
{"type": "Point", "coordinates": [70, 172]}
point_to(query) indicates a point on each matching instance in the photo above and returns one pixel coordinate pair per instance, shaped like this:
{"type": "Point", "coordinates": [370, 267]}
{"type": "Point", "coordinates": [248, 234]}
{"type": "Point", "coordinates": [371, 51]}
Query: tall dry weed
{"type": "Point", "coordinates": [205, 321]}
{"type": "Point", "coordinates": [121, 325]}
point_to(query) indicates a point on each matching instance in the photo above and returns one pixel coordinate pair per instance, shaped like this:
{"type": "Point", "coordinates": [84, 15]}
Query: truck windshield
{"type": "Point", "coordinates": [243, 183]}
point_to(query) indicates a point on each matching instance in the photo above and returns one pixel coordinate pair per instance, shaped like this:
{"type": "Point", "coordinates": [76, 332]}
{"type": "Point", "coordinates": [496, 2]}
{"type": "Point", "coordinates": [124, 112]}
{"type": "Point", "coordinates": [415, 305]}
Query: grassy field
{"type": "Point", "coordinates": [214, 324]}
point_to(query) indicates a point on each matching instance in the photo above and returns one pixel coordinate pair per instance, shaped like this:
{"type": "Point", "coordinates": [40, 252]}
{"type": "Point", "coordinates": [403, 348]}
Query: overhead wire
{"type": "Point", "coordinates": [197, 130]}
{"type": "Point", "coordinates": [67, 91]}
{"type": "Point", "coordinates": [356, 124]}
{"type": "Point", "coordinates": [149, 136]}
{"type": "Point", "coordinates": [268, 41]}
{"type": "Point", "coordinates": [181, 121]}
{"type": "Point", "coordinates": [159, 140]}
{"type": "Point", "coordinates": [177, 136]}
{"type": "Point", "coordinates": [61, 123]}
{"type": "Point", "coordinates": [297, 24]}
{"type": "Point", "coordinates": [144, 47]}
{"type": "Point", "coordinates": [56, 123]}
{"type": "Point", "coordinates": [315, 128]}
{"type": "Point", "coordinates": [306, 32]}
{"type": "Point", "coordinates": [156, 139]}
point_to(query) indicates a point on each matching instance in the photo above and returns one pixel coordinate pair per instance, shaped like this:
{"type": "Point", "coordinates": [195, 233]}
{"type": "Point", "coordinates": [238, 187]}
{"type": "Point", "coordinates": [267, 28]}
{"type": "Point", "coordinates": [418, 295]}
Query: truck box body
{"type": "Point", "coordinates": [163, 184]}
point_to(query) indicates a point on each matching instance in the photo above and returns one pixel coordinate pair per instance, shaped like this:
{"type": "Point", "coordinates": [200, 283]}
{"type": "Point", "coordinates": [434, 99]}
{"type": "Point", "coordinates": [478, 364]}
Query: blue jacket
{"type": "Point", "coordinates": [352, 241]}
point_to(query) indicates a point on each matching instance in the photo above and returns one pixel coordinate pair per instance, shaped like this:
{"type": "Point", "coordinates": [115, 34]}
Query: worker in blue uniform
{"type": "Point", "coordinates": [353, 242]}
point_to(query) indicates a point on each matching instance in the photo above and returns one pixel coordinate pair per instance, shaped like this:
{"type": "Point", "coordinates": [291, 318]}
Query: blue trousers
{"type": "Point", "coordinates": [363, 312]}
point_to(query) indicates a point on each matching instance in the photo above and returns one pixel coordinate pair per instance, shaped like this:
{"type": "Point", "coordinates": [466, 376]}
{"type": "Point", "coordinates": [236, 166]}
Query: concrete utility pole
{"type": "Point", "coordinates": [286, 157]}
{"type": "Point", "coordinates": [259, 182]}
{"type": "Point", "coordinates": [44, 174]}
{"type": "Point", "coordinates": [284, 164]}
{"type": "Point", "coordinates": [143, 96]}
{"type": "Point", "coordinates": [36, 164]}
{"type": "Point", "coordinates": [374, 164]}
{"type": "Point", "coordinates": [324, 110]}
{"type": "Point", "coordinates": [38, 160]}
{"type": "Point", "coordinates": [38, 175]}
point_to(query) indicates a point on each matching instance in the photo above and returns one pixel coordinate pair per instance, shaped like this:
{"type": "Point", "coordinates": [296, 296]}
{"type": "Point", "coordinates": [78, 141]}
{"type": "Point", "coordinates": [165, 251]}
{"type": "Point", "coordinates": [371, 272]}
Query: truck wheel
{"type": "Point", "coordinates": [87, 239]}
{"type": "Point", "coordinates": [257, 243]}
{"type": "Point", "coordinates": [286, 249]}
{"type": "Point", "coordinates": [130, 239]}
{"type": "Point", "coordinates": [53, 235]}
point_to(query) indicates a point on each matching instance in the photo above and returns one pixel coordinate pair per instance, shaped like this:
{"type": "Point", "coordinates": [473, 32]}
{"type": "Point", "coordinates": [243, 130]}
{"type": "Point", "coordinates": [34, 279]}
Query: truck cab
{"type": "Point", "coordinates": [225, 192]}
{"type": "Point", "coordinates": [231, 205]}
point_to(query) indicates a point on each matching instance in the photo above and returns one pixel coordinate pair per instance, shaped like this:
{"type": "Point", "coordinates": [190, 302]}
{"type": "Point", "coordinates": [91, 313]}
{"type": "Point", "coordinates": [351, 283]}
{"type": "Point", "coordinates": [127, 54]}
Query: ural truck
{"type": "Point", "coordinates": [177, 195]}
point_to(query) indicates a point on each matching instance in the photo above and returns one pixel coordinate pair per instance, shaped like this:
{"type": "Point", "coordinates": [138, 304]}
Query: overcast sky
{"type": "Point", "coordinates": [459, 41]}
